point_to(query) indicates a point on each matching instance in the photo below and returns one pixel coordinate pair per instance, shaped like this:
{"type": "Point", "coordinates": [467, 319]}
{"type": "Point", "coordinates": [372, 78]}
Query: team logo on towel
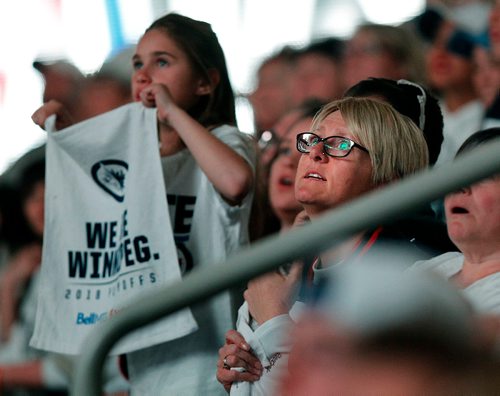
{"type": "Point", "coordinates": [110, 176]}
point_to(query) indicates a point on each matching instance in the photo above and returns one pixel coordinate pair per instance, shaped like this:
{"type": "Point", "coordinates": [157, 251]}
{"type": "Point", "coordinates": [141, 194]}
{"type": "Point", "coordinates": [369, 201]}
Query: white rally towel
{"type": "Point", "coordinates": [107, 237]}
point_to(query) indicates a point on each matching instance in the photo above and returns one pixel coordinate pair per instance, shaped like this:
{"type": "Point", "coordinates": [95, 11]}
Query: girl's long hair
{"type": "Point", "coordinates": [202, 47]}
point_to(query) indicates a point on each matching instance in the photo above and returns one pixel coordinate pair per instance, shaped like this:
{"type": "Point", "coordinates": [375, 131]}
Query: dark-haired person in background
{"type": "Point", "coordinates": [411, 99]}
{"type": "Point", "coordinates": [422, 107]}
{"type": "Point", "coordinates": [450, 68]}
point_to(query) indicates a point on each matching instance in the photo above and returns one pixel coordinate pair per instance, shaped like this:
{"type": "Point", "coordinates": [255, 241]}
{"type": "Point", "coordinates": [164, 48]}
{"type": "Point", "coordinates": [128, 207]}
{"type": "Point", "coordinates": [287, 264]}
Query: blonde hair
{"type": "Point", "coordinates": [396, 146]}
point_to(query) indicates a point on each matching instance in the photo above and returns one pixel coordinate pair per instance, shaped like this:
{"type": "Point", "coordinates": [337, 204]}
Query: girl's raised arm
{"type": "Point", "coordinates": [230, 173]}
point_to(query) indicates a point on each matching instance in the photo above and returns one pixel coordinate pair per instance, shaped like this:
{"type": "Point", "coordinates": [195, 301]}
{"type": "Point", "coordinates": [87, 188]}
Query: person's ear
{"type": "Point", "coordinates": [206, 87]}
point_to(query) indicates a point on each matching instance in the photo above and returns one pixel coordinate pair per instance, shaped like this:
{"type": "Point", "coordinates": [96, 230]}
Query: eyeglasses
{"type": "Point", "coordinates": [422, 99]}
{"type": "Point", "coordinates": [333, 146]}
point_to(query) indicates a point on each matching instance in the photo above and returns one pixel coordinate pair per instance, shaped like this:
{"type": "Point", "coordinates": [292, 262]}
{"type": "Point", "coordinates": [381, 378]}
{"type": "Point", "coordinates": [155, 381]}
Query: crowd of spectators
{"type": "Point", "coordinates": [408, 307]}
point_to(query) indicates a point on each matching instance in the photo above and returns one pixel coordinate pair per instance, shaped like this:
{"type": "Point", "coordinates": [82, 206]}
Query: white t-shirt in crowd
{"type": "Point", "coordinates": [483, 294]}
{"type": "Point", "coordinates": [458, 126]}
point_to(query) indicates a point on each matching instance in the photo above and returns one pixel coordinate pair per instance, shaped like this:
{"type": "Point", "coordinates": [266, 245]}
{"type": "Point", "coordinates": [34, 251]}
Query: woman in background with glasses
{"type": "Point", "coordinates": [355, 146]}
{"type": "Point", "coordinates": [274, 206]}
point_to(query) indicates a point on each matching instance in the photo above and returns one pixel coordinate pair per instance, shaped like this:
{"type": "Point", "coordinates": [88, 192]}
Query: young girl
{"type": "Point", "coordinates": [179, 68]}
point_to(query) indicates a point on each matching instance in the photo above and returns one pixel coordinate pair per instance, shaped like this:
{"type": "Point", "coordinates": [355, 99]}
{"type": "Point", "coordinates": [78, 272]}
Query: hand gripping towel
{"type": "Point", "coordinates": [107, 237]}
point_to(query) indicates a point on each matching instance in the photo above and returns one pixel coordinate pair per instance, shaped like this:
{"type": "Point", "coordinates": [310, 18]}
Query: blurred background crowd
{"type": "Point", "coordinates": [285, 62]}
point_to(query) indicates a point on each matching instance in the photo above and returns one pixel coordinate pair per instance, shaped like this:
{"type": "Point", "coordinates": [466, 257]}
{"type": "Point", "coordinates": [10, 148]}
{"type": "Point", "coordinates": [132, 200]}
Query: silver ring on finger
{"type": "Point", "coordinates": [225, 365]}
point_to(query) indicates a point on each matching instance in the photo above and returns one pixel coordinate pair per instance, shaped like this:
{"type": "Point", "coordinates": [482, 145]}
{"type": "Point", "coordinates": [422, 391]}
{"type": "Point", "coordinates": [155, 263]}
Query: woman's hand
{"type": "Point", "coordinates": [236, 361]}
{"type": "Point", "coordinates": [63, 118]}
{"type": "Point", "coordinates": [301, 219]}
{"type": "Point", "coordinates": [270, 295]}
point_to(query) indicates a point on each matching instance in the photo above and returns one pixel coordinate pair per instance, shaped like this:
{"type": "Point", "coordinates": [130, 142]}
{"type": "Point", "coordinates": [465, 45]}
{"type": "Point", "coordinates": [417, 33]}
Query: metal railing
{"type": "Point", "coordinates": [266, 255]}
